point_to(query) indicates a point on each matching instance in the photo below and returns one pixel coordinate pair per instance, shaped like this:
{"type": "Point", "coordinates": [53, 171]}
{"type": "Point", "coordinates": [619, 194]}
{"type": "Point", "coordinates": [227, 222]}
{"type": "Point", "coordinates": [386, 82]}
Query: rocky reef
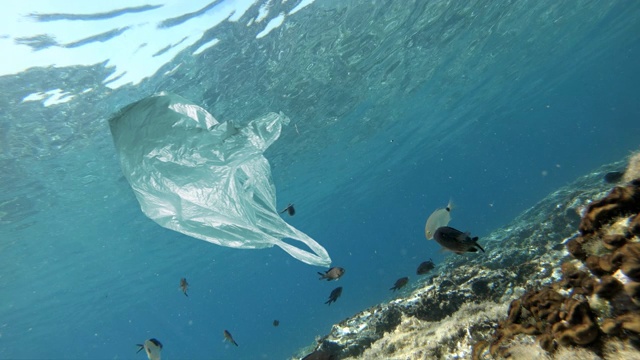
{"type": "Point", "coordinates": [562, 280]}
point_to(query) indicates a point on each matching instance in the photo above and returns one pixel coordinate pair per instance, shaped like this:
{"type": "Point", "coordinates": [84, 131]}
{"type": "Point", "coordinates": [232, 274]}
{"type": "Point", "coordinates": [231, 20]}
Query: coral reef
{"type": "Point", "coordinates": [565, 319]}
{"type": "Point", "coordinates": [543, 291]}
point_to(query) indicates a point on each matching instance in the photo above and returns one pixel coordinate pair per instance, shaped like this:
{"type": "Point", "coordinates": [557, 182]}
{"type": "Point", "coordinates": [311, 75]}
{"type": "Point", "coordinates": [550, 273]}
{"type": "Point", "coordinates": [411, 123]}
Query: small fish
{"type": "Point", "coordinates": [289, 209]}
{"type": "Point", "coordinates": [334, 273]}
{"type": "Point", "coordinates": [400, 283]}
{"type": "Point", "coordinates": [425, 267]}
{"type": "Point", "coordinates": [456, 240]}
{"type": "Point", "coordinates": [229, 338]}
{"type": "Point", "coordinates": [276, 322]}
{"type": "Point", "coordinates": [440, 217]}
{"type": "Point", "coordinates": [184, 286]}
{"type": "Point", "coordinates": [335, 294]}
{"type": "Point", "coordinates": [152, 347]}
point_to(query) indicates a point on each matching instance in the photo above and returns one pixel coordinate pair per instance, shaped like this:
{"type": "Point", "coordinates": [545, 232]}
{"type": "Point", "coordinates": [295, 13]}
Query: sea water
{"type": "Point", "coordinates": [396, 107]}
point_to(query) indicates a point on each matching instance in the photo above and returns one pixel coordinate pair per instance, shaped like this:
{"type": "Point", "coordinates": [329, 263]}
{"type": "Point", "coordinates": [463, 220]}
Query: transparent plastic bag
{"type": "Point", "coordinates": [203, 178]}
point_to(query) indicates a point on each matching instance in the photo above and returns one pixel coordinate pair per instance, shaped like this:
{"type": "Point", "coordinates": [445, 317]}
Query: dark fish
{"type": "Point", "coordinates": [334, 273]}
{"type": "Point", "coordinates": [152, 347]}
{"type": "Point", "coordinates": [335, 294]}
{"type": "Point", "coordinates": [425, 267]}
{"type": "Point", "coordinates": [184, 286]}
{"type": "Point", "coordinates": [289, 209]}
{"type": "Point", "coordinates": [319, 355]}
{"type": "Point", "coordinates": [276, 322]}
{"type": "Point", "coordinates": [456, 241]}
{"type": "Point", "coordinates": [229, 338]}
{"type": "Point", "coordinates": [613, 177]}
{"type": "Point", "coordinates": [400, 283]}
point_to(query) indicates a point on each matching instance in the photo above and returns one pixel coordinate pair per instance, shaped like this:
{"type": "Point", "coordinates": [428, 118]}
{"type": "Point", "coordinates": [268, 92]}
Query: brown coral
{"type": "Point", "coordinates": [630, 322]}
{"type": "Point", "coordinates": [608, 287]}
{"type": "Point", "coordinates": [613, 242]}
{"type": "Point", "coordinates": [633, 290]}
{"type": "Point", "coordinates": [628, 257]}
{"type": "Point", "coordinates": [634, 226]}
{"type": "Point", "coordinates": [558, 320]}
{"type": "Point", "coordinates": [620, 201]}
{"type": "Point", "coordinates": [544, 304]}
{"type": "Point", "coordinates": [601, 265]}
{"type": "Point", "coordinates": [611, 327]}
{"type": "Point", "coordinates": [574, 246]}
{"type": "Point", "coordinates": [578, 280]}
{"type": "Point", "coordinates": [593, 264]}
{"type": "Point", "coordinates": [546, 342]}
{"type": "Point", "coordinates": [578, 327]}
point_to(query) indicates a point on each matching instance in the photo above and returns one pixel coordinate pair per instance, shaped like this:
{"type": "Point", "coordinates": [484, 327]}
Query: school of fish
{"type": "Point", "coordinates": [436, 228]}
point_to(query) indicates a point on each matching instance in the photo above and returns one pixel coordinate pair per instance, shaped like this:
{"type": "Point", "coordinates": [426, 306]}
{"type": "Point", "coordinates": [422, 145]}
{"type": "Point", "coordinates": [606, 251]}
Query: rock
{"type": "Point", "coordinates": [447, 315]}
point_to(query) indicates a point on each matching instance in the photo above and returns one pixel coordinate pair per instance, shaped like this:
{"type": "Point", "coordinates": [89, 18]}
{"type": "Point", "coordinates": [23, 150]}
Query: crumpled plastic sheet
{"type": "Point", "coordinates": [206, 179]}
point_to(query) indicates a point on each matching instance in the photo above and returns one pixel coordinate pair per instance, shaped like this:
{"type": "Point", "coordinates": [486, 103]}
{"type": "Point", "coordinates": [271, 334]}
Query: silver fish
{"type": "Point", "coordinates": [152, 347]}
{"type": "Point", "coordinates": [439, 218]}
{"type": "Point", "coordinates": [456, 240]}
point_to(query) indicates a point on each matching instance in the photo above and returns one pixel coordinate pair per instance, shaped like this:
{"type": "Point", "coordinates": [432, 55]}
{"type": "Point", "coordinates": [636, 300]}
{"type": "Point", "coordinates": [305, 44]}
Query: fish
{"type": "Point", "coordinates": [229, 338]}
{"type": "Point", "coordinates": [152, 347]}
{"type": "Point", "coordinates": [440, 217]}
{"type": "Point", "coordinates": [400, 283]}
{"type": "Point", "coordinates": [425, 267]}
{"type": "Point", "coordinates": [184, 286]}
{"type": "Point", "coordinates": [456, 241]}
{"type": "Point", "coordinates": [289, 209]}
{"type": "Point", "coordinates": [276, 322]}
{"type": "Point", "coordinates": [334, 273]}
{"type": "Point", "coordinates": [335, 294]}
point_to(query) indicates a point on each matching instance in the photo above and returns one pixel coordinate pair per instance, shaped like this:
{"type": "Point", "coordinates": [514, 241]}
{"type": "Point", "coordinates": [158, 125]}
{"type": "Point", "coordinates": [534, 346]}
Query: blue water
{"type": "Point", "coordinates": [396, 107]}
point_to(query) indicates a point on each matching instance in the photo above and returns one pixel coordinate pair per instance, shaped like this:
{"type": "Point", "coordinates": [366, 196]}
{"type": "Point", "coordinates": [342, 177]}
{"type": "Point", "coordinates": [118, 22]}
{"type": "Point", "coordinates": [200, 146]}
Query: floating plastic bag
{"type": "Point", "coordinates": [203, 178]}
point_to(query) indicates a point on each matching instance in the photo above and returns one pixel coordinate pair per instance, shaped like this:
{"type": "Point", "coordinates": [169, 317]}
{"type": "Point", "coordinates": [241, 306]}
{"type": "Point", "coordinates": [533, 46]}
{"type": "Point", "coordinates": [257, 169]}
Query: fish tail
{"type": "Point", "coordinates": [475, 241]}
{"type": "Point", "coordinates": [234, 342]}
{"type": "Point", "coordinates": [450, 205]}
{"type": "Point", "coordinates": [140, 347]}
{"type": "Point", "coordinates": [185, 294]}
{"type": "Point", "coordinates": [322, 276]}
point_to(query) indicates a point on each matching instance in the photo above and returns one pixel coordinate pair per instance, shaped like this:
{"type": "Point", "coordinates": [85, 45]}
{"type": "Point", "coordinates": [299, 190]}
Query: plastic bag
{"type": "Point", "coordinates": [203, 178]}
